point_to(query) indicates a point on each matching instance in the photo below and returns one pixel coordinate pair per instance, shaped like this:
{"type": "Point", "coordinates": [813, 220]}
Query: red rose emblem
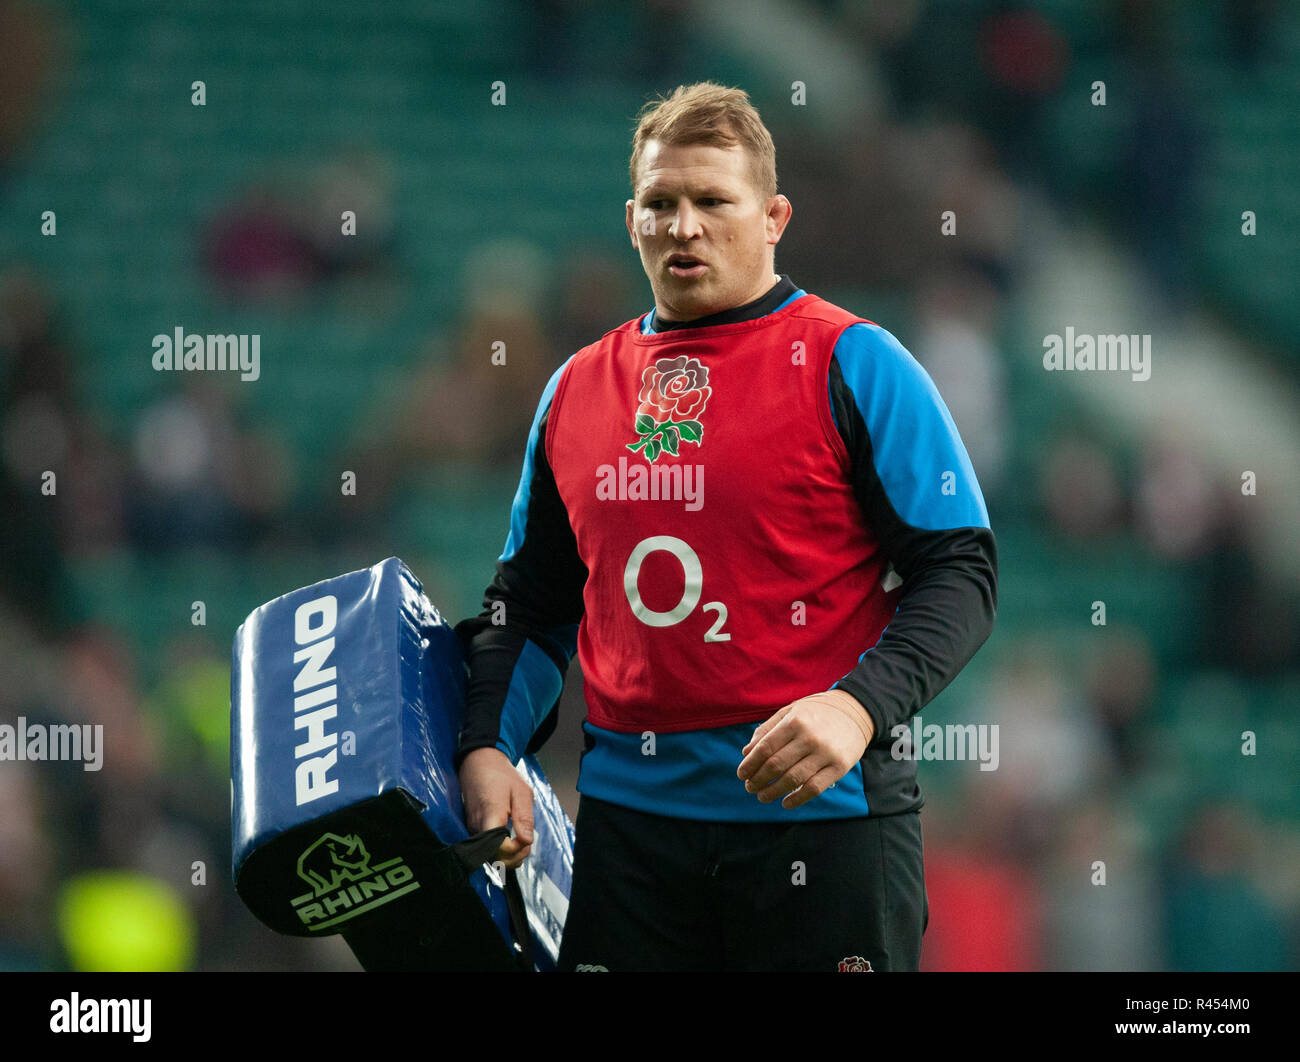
{"type": "Point", "coordinates": [855, 964]}
{"type": "Point", "coordinates": [674, 389]}
{"type": "Point", "coordinates": [673, 394]}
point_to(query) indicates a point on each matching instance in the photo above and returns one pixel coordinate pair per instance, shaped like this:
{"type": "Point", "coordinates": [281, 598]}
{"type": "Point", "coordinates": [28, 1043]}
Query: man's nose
{"type": "Point", "coordinates": [685, 224]}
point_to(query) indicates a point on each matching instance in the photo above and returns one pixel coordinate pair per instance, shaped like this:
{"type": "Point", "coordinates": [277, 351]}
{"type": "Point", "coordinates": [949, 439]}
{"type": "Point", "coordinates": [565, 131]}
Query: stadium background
{"type": "Point", "coordinates": [479, 223]}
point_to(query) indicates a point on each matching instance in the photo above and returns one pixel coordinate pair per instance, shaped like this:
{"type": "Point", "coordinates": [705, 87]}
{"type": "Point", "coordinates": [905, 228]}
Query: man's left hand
{"type": "Point", "coordinates": [805, 748]}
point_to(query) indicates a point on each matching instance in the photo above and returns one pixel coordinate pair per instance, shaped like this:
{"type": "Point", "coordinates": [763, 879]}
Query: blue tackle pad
{"type": "Point", "coordinates": [346, 702]}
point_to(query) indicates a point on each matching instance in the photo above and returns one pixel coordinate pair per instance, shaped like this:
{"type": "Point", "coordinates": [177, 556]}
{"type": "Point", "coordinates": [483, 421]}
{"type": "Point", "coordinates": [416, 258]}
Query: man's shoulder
{"type": "Point", "coordinates": [864, 342]}
{"type": "Point", "coordinates": [584, 359]}
{"type": "Point", "coordinates": [855, 339]}
{"type": "Point", "coordinates": [598, 346]}
{"type": "Point", "coordinates": [813, 307]}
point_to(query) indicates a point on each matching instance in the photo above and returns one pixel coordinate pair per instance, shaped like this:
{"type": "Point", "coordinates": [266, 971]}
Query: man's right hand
{"type": "Point", "coordinates": [495, 794]}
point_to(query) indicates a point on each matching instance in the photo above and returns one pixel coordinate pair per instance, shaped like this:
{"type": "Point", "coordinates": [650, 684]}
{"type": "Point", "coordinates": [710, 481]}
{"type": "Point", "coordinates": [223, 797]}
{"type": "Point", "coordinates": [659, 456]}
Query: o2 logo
{"type": "Point", "coordinates": [690, 592]}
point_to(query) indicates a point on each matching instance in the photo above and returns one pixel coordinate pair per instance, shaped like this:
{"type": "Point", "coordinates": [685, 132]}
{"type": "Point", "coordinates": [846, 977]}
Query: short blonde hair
{"type": "Point", "coordinates": [708, 113]}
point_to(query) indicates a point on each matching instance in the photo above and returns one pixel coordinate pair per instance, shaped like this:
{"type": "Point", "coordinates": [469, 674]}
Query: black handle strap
{"type": "Point", "coordinates": [471, 854]}
{"type": "Point", "coordinates": [519, 920]}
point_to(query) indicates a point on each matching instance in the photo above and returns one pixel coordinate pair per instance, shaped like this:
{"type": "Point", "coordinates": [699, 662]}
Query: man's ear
{"type": "Point", "coordinates": [631, 227]}
{"type": "Point", "coordinates": [779, 212]}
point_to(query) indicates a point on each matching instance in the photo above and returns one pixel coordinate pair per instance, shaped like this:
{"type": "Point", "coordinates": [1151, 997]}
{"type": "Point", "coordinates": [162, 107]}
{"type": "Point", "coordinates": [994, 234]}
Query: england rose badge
{"type": "Point", "coordinates": [673, 394]}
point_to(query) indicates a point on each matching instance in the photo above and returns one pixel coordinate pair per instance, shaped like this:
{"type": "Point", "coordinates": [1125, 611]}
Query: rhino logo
{"type": "Point", "coordinates": [333, 860]}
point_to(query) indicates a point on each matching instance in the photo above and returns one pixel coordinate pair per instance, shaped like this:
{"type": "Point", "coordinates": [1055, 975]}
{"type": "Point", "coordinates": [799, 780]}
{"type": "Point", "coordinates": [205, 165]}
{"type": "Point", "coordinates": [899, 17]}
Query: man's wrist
{"type": "Point", "coordinates": [855, 710]}
{"type": "Point", "coordinates": [463, 754]}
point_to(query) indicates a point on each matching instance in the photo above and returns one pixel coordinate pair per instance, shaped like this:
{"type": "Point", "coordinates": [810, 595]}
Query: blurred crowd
{"type": "Point", "coordinates": [1010, 855]}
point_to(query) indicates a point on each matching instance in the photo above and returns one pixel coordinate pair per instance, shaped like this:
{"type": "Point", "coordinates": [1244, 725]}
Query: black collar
{"type": "Point", "coordinates": [779, 292]}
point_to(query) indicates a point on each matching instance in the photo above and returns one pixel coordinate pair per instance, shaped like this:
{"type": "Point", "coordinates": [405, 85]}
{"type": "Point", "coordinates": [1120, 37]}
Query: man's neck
{"type": "Point", "coordinates": [782, 288]}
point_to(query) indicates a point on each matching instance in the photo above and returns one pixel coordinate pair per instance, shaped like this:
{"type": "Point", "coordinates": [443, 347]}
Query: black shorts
{"type": "Point", "coordinates": [657, 893]}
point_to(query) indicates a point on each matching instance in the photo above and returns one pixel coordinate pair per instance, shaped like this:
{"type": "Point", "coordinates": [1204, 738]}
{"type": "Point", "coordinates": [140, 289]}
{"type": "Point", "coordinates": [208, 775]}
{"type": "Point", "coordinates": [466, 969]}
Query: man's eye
{"type": "Point", "coordinates": [660, 204]}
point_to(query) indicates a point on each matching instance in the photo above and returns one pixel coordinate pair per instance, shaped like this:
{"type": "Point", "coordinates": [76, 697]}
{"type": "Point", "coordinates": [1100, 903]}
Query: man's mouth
{"type": "Point", "coordinates": [685, 265]}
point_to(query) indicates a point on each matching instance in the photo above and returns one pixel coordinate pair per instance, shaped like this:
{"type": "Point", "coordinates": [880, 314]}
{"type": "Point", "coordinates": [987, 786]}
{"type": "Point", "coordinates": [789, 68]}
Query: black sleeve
{"type": "Point", "coordinates": [535, 597]}
{"type": "Point", "coordinates": [948, 599]}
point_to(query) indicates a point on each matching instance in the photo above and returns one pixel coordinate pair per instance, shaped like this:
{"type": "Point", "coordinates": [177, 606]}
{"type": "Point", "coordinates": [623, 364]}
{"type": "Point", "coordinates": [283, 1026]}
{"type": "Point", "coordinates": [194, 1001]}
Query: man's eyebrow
{"type": "Point", "coordinates": [656, 192]}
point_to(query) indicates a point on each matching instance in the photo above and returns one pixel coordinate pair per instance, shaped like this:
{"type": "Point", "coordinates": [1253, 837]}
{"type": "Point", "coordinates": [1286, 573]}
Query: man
{"type": "Point", "coordinates": [748, 639]}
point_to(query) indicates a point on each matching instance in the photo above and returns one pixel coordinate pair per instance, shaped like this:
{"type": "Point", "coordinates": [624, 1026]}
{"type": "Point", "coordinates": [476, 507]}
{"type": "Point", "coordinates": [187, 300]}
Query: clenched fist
{"type": "Point", "coordinates": [495, 794]}
{"type": "Point", "coordinates": [805, 748]}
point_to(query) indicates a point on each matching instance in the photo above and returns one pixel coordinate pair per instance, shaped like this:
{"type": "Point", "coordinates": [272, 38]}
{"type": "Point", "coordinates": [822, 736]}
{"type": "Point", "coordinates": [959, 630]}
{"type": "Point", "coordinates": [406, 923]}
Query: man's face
{"type": "Point", "coordinates": [698, 201]}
